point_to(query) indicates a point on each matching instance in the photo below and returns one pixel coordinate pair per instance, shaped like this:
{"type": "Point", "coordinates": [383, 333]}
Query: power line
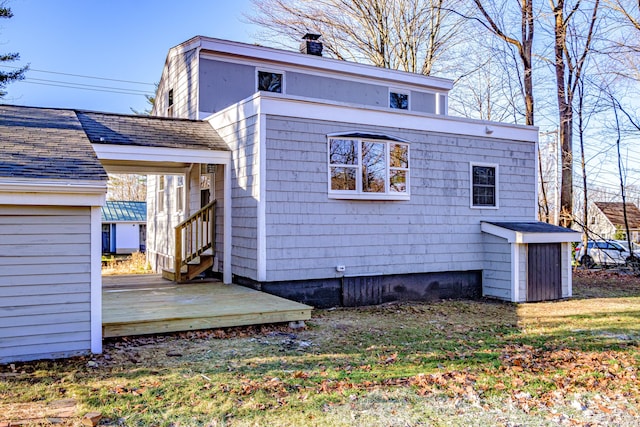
{"type": "Point", "coordinates": [81, 76]}
{"type": "Point", "coordinates": [84, 88]}
{"type": "Point", "coordinates": [82, 85]}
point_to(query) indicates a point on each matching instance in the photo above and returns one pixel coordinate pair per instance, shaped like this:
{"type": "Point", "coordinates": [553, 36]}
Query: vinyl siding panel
{"type": "Point", "coordinates": [45, 282]}
{"type": "Point", "coordinates": [496, 276]}
{"type": "Point", "coordinates": [243, 140]}
{"type": "Point", "coordinates": [308, 233]}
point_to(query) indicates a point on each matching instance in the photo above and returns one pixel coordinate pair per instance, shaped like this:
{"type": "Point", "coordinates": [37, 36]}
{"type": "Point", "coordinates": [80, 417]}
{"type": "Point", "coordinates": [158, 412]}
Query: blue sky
{"type": "Point", "coordinates": [111, 39]}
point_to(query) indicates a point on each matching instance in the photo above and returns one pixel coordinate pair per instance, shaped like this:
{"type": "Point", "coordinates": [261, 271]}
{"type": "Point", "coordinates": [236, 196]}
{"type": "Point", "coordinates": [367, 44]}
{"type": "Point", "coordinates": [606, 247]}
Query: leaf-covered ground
{"type": "Point", "coordinates": [572, 362]}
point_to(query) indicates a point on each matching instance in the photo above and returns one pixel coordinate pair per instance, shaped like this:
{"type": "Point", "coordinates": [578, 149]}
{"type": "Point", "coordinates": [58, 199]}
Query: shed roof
{"type": "Point", "coordinates": [615, 214]}
{"type": "Point", "coordinates": [46, 143]}
{"type": "Point", "coordinates": [124, 210]}
{"type": "Point", "coordinates": [149, 131]}
{"type": "Point", "coordinates": [530, 232]}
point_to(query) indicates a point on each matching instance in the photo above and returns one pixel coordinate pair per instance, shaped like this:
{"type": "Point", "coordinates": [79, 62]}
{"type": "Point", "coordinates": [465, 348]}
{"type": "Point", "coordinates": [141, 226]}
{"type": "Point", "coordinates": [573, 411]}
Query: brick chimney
{"type": "Point", "coordinates": [311, 45]}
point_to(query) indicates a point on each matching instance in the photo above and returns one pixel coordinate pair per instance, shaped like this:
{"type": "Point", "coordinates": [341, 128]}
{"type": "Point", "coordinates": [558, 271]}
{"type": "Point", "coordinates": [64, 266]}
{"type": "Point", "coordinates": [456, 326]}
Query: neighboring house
{"type": "Point", "coordinates": [607, 219]}
{"type": "Point", "coordinates": [351, 184]}
{"type": "Point", "coordinates": [124, 227]}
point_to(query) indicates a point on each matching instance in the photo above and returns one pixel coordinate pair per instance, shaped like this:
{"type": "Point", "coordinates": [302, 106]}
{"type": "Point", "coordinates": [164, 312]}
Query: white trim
{"type": "Point", "coordinates": [292, 106]}
{"type": "Point", "coordinates": [529, 237]}
{"type": "Point", "coordinates": [96, 280]}
{"type": "Point", "coordinates": [496, 185]}
{"type": "Point", "coordinates": [515, 272]}
{"type": "Point", "coordinates": [262, 199]}
{"type": "Point", "coordinates": [51, 192]}
{"type": "Point", "coordinates": [536, 200]}
{"type": "Point", "coordinates": [227, 242]}
{"type": "Point", "coordinates": [158, 154]}
{"type": "Point", "coordinates": [263, 54]}
{"type": "Point", "coordinates": [569, 271]}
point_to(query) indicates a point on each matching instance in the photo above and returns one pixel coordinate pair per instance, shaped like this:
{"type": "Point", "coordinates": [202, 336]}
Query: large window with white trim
{"type": "Point", "coordinates": [484, 186]}
{"type": "Point", "coordinates": [368, 168]}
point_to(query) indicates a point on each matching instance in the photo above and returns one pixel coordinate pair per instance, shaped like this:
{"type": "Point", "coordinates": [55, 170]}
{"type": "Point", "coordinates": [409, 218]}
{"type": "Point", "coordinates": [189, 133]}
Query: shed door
{"type": "Point", "coordinates": [544, 275]}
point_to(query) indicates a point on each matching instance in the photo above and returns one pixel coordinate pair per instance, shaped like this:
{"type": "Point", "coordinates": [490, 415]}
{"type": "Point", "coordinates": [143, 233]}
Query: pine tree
{"type": "Point", "coordinates": [7, 77]}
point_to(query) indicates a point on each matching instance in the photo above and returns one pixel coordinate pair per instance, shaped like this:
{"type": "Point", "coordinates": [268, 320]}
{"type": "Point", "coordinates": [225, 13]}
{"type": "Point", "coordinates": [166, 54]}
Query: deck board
{"type": "Point", "coordinates": [135, 305]}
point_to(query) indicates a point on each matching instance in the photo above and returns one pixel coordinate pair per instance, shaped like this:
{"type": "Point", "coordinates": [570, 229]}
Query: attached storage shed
{"type": "Point", "coordinates": [527, 261]}
{"type": "Point", "coordinates": [51, 189]}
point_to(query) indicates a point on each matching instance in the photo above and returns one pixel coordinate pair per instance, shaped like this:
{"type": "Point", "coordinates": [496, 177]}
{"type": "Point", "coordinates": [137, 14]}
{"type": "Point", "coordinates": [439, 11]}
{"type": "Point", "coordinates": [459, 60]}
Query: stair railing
{"type": "Point", "coordinates": [193, 236]}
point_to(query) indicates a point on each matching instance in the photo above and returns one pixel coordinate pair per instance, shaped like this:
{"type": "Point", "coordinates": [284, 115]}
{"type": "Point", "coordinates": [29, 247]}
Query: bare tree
{"type": "Point", "coordinates": [408, 35]}
{"type": "Point", "coordinates": [127, 187]}
{"type": "Point", "coordinates": [569, 65]}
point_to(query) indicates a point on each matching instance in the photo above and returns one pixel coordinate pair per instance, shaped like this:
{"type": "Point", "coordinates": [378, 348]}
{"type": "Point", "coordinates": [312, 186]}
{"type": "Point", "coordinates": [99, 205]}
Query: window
{"type": "Point", "coordinates": [160, 193]}
{"type": "Point", "coordinates": [484, 193]}
{"type": "Point", "coordinates": [399, 100]}
{"type": "Point", "coordinates": [179, 193]}
{"type": "Point", "coordinates": [368, 168]}
{"type": "Point", "coordinates": [170, 103]}
{"type": "Point", "coordinates": [269, 81]}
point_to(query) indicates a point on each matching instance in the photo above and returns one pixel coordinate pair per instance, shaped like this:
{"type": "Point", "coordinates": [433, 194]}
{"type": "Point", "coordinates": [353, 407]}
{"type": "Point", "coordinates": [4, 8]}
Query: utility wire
{"type": "Point", "coordinates": [82, 86]}
{"type": "Point", "coordinates": [80, 75]}
{"type": "Point", "coordinates": [85, 88]}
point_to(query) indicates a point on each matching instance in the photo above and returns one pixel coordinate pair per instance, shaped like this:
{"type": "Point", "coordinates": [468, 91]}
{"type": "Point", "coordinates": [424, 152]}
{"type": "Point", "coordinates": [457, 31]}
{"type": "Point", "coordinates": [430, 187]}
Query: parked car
{"type": "Point", "coordinates": [601, 252]}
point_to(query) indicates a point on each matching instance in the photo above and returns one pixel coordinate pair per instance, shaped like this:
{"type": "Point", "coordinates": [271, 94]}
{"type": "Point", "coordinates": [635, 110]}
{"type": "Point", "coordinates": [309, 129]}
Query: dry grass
{"type": "Point", "coordinates": [572, 362]}
{"type": "Point", "coordinates": [134, 264]}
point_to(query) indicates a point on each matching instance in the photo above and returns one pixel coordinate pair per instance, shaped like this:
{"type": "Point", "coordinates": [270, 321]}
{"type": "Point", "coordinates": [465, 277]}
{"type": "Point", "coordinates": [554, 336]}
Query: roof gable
{"type": "Point", "coordinates": [614, 213]}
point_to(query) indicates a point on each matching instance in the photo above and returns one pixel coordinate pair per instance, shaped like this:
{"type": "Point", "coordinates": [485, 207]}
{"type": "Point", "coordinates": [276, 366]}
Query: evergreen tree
{"type": "Point", "coordinates": [7, 77]}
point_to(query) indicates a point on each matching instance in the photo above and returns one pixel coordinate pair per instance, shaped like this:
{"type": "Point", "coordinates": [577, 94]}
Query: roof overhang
{"type": "Point", "coordinates": [35, 191]}
{"type": "Point", "coordinates": [140, 159]}
{"type": "Point", "coordinates": [530, 232]}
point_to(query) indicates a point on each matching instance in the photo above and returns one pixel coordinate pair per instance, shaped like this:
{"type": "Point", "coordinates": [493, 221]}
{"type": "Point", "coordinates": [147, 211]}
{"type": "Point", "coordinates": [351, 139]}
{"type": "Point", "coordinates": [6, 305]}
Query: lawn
{"type": "Point", "coordinates": [572, 362]}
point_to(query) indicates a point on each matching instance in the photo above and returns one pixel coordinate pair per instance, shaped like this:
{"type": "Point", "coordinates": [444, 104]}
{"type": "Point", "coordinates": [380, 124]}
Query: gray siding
{"type": "Point", "coordinates": [223, 84]}
{"type": "Point", "coordinates": [496, 276]}
{"type": "Point", "coordinates": [242, 139]}
{"type": "Point", "coordinates": [308, 234]}
{"type": "Point", "coordinates": [313, 86]}
{"type": "Point", "coordinates": [45, 282]}
{"type": "Point", "coordinates": [180, 73]}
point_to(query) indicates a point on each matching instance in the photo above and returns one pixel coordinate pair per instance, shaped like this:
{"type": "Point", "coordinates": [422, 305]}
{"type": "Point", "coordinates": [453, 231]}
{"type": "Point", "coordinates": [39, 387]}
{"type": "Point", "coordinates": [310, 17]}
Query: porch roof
{"type": "Point", "coordinates": [149, 131]}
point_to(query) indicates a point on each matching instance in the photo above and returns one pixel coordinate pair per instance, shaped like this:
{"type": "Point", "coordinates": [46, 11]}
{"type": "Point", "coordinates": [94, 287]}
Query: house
{"type": "Point", "coordinates": [323, 181]}
{"type": "Point", "coordinates": [124, 226]}
{"type": "Point", "coordinates": [607, 220]}
{"type": "Point", "coordinates": [352, 185]}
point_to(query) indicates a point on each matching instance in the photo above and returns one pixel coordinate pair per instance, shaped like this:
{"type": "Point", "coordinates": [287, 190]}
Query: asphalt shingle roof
{"type": "Point", "coordinates": [615, 214]}
{"type": "Point", "coordinates": [532, 227]}
{"type": "Point", "coordinates": [45, 143]}
{"type": "Point", "coordinates": [124, 210]}
{"type": "Point", "coordinates": [149, 131]}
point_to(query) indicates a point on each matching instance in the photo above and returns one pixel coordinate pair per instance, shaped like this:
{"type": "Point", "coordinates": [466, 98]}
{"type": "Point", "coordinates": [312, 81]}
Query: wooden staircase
{"type": "Point", "coordinates": [194, 245]}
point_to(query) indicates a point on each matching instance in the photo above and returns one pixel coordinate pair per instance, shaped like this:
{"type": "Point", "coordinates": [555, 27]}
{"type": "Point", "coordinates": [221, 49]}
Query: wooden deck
{"type": "Point", "coordinates": [149, 304]}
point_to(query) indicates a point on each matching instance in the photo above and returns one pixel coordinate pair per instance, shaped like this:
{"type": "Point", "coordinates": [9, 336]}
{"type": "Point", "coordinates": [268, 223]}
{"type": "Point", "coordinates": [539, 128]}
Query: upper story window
{"type": "Point", "coordinates": [398, 99]}
{"type": "Point", "coordinates": [170, 103]}
{"type": "Point", "coordinates": [368, 168]}
{"type": "Point", "coordinates": [484, 186]}
{"type": "Point", "coordinates": [269, 81]}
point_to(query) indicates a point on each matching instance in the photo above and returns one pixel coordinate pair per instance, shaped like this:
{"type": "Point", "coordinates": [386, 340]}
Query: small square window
{"type": "Point", "coordinates": [484, 193]}
{"type": "Point", "coordinates": [399, 100]}
{"type": "Point", "coordinates": [269, 82]}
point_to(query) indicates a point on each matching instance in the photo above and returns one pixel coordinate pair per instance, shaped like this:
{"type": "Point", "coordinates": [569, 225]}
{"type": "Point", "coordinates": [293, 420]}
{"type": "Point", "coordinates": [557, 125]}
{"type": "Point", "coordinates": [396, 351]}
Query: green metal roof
{"type": "Point", "coordinates": [120, 211]}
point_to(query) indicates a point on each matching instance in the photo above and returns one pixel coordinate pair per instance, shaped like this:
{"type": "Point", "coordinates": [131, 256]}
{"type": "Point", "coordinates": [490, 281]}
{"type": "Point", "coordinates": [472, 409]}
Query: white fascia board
{"type": "Point", "coordinates": [519, 237]}
{"type": "Point", "coordinates": [159, 154]}
{"type": "Point", "coordinates": [16, 191]}
{"type": "Point", "coordinates": [291, 106]}
{"type": "Point", "coordinates": [266, 54]}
